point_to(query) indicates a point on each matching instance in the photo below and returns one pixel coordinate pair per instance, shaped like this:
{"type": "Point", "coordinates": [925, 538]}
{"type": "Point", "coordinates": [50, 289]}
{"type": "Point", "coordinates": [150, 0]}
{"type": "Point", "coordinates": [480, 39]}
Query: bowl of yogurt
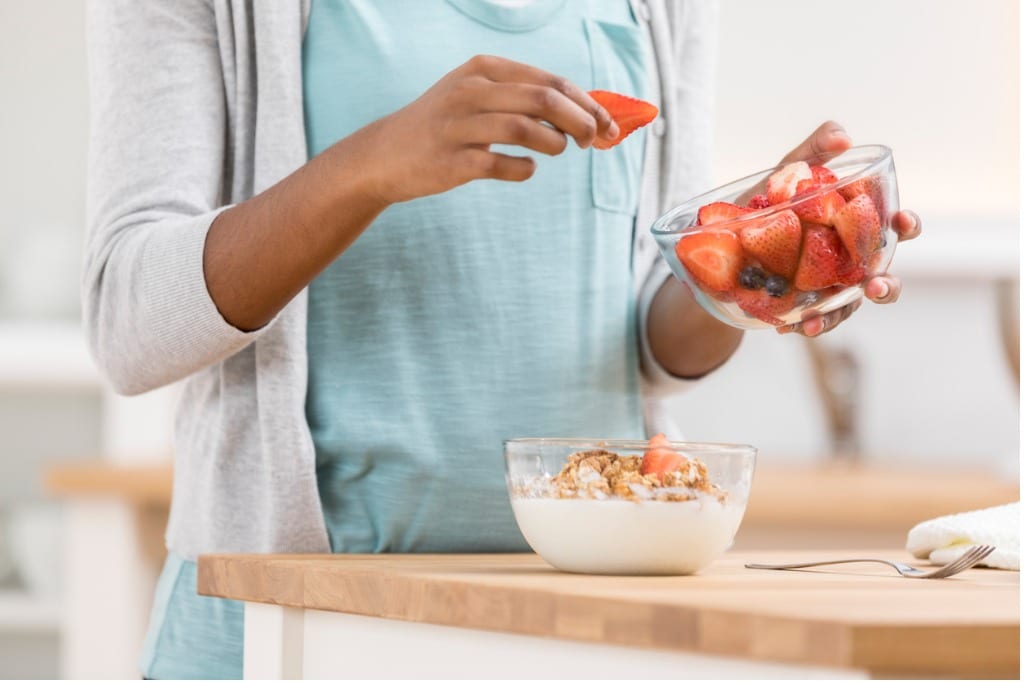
{"type": "Point", "coordinates": [619, 507]}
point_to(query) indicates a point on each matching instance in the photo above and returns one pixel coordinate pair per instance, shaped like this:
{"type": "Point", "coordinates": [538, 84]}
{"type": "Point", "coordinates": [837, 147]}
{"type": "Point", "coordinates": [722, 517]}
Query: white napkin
{"type": "Point", "coordinates": [943, 539]}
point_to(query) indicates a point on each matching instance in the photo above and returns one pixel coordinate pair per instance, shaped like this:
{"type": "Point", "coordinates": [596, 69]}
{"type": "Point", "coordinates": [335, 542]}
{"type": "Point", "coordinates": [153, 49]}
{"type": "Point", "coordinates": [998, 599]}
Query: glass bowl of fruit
{"type": "Point", "coordinates": [778, 246]}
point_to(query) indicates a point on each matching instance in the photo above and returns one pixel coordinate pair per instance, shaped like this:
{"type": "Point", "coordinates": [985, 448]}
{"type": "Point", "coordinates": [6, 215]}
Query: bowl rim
{"type": "Point", "coordinates": [884, 156]}
{"type": "Point", "coordinates": [631, 444]}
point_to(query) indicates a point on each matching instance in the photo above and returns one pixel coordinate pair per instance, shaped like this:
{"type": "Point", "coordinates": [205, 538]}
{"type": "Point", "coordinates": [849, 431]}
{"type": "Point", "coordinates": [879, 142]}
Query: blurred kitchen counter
{"type": "Point", "coordinates": [832, 504]}
{"type": "Point", "coordinates": [141, 484]}
{"type": "Point", "coordinates": [840, 504]}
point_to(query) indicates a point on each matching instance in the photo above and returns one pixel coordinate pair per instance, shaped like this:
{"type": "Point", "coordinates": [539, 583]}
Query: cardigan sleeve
{"type": "Point", "coordinates": [157, 161]}
{"type": "Point", "coordinates": [692, 29]}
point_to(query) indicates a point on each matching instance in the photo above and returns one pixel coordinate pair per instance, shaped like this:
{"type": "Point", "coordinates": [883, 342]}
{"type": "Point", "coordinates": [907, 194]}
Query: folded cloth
{"type": "Point", "coordinates": [944, 539]}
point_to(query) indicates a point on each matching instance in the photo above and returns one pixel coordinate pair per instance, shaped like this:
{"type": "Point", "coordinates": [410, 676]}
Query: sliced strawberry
{"type": "Point", "coordinates": [658, 440]}
{"type": "Point", "coordinates": [758, 201]}
{"type": "Point", "coordinates": [713, 257]}
{"type": "Point", "coordinates": [819, 209]}
{"type": "Point", "coordinates": [823, 260]}
{"type": "Point", "coordinates": [775, 242]}
{"type": "Point", "coordinates": [629, 113]}
{"type": "Point", "coordinates": [718, 212]}
{"type": "Point", "coordinates": [782, 183]}
{"type": "Point", "coordinates": [759, 304]}
{"type": "Point", "coordinates": [822, 175]}
{"type": "Point", "coordinates": [871, 186]}
{"type": "Point", "coordinates": [859, 228]}
{"type": "Point", "coordinates": [660, 458]}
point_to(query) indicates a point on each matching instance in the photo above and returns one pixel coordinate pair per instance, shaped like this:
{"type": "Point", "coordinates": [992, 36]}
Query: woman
{"type": "Point", "coordinates": [299, 210]}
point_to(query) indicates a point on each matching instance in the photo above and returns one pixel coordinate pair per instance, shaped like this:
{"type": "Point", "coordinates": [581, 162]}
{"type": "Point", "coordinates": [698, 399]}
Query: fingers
{"type": "Point", "coordinates": [516, 129]}
{"type": "Point", "coordinates": [544, 104]}
{"type": "Point", "coordinates": [908, 225]}
{"type": "Point", "coordinates": [541, 104]}
{"type": "Point", "coordinates": [816, 325]}
{"type": "Point", "coordinates": [883, 289]}
{"type": "Point", "coordinates": [484, 164]}
{"type": "Point", "coordinates": [830, 139]}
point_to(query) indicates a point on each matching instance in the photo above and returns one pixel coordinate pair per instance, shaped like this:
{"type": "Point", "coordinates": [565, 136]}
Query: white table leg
{"type": "Point", "coordinates": [273, 642]}
{"type": "Point", "coordinates": [108, 580]}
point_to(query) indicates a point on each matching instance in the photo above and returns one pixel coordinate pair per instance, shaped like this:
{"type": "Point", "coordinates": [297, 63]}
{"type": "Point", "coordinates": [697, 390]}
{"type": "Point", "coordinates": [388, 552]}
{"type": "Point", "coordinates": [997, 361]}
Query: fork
{"type": "Point", "coordinates": [966, 560]}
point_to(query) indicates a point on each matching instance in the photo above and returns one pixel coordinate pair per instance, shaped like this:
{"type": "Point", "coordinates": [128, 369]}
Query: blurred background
{"type": "Point", "coordinates": [910, 411]}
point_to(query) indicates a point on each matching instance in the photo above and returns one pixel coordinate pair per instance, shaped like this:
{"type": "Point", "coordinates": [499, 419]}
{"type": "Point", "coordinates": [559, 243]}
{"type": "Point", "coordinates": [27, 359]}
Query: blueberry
{"type": "Point", "coordinates": [752, 277]}
{"type": "Point", "coordinates": [776, 286]}
{"type": "Point", "coordinates": [808, 298]}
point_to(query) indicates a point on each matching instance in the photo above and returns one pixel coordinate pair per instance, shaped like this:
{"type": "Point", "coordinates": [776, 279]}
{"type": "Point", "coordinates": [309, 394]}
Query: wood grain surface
{"type": "Point", "coordinates": [863, 616]}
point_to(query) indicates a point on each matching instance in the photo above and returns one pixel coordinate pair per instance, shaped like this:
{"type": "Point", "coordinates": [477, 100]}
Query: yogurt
{"type": "Point", "coordinates": [626, 537]}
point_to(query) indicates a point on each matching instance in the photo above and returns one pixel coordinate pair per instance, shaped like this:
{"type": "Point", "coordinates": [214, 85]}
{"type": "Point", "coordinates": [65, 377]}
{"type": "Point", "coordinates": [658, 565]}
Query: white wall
{"type": "Point", "coordinates": [938, 81]}
{"type": "Point", "coordinates": [43, 129]}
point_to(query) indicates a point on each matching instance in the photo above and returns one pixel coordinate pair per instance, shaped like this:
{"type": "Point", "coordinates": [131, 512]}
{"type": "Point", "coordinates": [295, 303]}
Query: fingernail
{"type": "Point", "coordinates": [840, 133]}
{"type": "Point", "coordinates": [612, 132]}
{"type": "Point", "coordinates": [883, 290]}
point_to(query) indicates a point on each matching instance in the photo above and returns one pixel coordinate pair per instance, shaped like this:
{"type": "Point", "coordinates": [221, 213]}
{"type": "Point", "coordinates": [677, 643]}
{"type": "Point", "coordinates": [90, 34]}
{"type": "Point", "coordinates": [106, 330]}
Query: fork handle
{"type": "Point", "coordinates": [808, 564]}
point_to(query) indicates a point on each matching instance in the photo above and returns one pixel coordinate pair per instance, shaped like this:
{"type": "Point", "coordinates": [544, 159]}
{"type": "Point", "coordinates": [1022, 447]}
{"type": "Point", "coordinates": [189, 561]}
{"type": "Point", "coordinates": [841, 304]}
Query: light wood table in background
{"type": "Point", "coordinates": [511, 615]}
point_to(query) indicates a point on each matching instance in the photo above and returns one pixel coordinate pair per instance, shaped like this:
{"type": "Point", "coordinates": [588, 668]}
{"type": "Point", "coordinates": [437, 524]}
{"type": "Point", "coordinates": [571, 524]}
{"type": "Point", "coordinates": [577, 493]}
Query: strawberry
{"type": "Point", "coordinates": [822, 176]}
{"type": "Point", "coordinates": [775, 242]}
{"type": "Point", "coordinates": [859, 228]}
{"type": "Point", "coordinates": [758, 201]}
{"type": "Point", "coordinates": [758, 303]}
{"type": "Point", "coordinates": [824, 261]}
{"type": "Point", "coordinates": [659, 458]}
{"type": "Point", "coordinates": [658, 440]}
{"type": "Point", "coordinates": [629, 113]}
{"type": "Point", "coordinates": [718, 212]}
{"type": "Point", "coordinates": [819, 209]}
{"type": "Point", "coordinates": [782, 183]}
{"type": "Point", "coordinates": [713, 257]}
{"type": "Point", "coordinates": [872, 186]}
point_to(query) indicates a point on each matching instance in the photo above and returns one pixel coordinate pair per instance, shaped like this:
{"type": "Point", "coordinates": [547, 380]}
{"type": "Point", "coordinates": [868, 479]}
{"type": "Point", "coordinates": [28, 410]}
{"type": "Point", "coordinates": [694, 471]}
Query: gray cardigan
{"type": "Point", "coordinates": [196, 105]}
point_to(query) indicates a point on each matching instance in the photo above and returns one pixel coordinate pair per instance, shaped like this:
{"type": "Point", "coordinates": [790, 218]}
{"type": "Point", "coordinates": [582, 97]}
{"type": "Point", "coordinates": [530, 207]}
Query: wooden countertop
{"type": "Point", "coordinates": [868, 496]}
{"type": "Point", "coordinates": [862, 617]}
{"type": "Point", "coordinates": [144, 484]}
{"type": "Point", "coordinates": [835, 496]}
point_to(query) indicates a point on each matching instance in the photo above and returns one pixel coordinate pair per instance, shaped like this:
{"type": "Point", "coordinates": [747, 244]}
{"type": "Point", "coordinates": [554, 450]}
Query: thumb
{"type": "Point", "coordinates": [829, 140]}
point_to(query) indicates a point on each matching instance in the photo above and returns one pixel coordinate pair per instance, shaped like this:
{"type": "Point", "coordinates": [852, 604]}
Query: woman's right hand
{"type": "Point", "coordinates": [442, 139]}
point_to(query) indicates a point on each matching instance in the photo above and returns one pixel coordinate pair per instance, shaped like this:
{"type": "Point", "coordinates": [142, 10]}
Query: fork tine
{"type": "Point", "coordinates": [969, 558]}
{"type": "Point", "coordinates": [966, 561]}
{"type": "Point", "coordinates": [953, 567]}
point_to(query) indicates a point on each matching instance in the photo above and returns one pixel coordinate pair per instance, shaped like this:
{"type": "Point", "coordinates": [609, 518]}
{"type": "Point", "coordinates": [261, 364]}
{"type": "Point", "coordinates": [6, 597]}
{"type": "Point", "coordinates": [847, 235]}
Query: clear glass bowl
{"type": "Point", "coordinates": [619, 536]}
{"type": "Point", "coordinates": [866, 164]}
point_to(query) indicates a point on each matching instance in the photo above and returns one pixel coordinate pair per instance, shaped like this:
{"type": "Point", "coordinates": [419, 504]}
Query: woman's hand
{"type": "Point", "coordinates": [828, 140]}
{"type": "Point", "coordinates": [442, 139]}
{"type": "Point", "coordinates": [261, 252]}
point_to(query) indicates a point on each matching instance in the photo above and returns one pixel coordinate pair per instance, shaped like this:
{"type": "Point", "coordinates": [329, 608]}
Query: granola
{"type": "Point", "coordinates": [600, 474]}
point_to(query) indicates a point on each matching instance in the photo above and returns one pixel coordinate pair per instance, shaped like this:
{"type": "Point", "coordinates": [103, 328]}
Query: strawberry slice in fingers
{"type": "Point", "coordinates": [629, 113]}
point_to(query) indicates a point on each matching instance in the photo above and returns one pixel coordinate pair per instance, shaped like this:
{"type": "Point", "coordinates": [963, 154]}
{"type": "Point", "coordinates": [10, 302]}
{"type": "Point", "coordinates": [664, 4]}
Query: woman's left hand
{"type": "Point", "coordinates": [830, 139]}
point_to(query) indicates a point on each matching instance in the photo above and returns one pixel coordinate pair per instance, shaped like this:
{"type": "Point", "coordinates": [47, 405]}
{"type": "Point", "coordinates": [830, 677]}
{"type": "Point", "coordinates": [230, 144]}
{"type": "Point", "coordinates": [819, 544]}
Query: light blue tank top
{"type": "Point", "coordinates": [493, 311]}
